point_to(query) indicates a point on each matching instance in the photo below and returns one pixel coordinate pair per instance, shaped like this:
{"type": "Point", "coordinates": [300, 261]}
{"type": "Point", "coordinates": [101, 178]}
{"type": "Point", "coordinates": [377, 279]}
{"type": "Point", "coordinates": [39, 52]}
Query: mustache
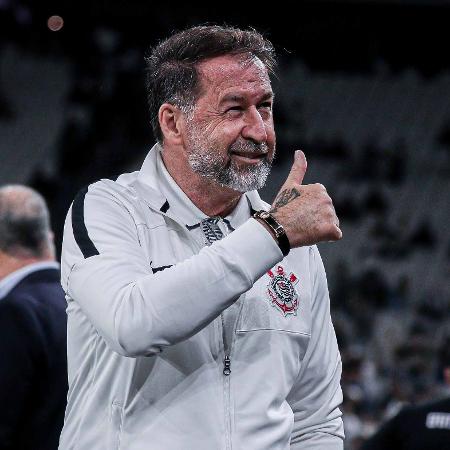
{"type": "Point", "coordinates": [249, 147]}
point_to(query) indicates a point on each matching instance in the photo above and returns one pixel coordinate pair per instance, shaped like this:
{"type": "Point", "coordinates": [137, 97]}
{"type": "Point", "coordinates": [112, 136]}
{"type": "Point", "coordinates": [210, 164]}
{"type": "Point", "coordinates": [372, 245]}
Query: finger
{"type": "Point", "coordinates": [332, 233]}
{"type": "Point", "coordinates": [298, 169]}
{"type": "Point", "coordinates": [337, 233]}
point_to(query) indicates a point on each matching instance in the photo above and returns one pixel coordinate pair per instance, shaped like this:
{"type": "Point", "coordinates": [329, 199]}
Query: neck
{"type": "Point", "coordinates": [208, 196]}
{"type": "Point", "coordinates": [10, 263]}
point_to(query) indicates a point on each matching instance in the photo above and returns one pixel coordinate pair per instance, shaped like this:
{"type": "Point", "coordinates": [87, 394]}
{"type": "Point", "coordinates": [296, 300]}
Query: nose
{"type": "Point", "coordinates": [255, 128]}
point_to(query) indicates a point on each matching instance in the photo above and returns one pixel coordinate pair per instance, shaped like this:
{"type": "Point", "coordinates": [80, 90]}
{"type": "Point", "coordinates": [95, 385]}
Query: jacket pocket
{"type": "Point", "coordinates": [115, 422]}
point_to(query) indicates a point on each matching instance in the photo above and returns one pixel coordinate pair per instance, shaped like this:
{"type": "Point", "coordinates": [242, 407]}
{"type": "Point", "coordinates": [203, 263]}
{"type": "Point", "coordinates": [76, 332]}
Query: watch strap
{"type": "Point", "coordinates": [277, 229]}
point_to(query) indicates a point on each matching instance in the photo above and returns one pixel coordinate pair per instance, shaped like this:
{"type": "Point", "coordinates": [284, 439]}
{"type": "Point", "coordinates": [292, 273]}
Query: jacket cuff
{"type": "Point", "coordinates": [255, 247]}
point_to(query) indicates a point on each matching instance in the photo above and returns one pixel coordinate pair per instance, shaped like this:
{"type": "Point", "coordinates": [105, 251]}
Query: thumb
{"type": "Point", "coordinates": [298, 169]}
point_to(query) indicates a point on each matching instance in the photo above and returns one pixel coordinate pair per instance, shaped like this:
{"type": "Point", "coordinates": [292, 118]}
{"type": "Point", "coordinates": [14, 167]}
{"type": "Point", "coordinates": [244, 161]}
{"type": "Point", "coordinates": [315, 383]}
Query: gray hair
{"type": "Point", "coordinates": [24, 222]}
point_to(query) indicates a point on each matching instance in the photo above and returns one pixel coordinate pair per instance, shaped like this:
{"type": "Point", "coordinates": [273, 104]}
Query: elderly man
{"type": "Point", "coordinates": [198, 320]}
{"type": "Point", "coordinates": [33, 368]}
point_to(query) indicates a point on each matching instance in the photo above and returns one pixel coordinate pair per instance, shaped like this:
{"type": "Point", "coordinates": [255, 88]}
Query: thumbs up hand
{"type": "Point", "coordinates": [305, 211]}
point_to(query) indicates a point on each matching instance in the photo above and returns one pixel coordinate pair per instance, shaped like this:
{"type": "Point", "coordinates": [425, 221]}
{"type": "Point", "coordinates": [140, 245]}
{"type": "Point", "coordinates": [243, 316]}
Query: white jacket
{"type": "Point", "coordinates": [146, 343]}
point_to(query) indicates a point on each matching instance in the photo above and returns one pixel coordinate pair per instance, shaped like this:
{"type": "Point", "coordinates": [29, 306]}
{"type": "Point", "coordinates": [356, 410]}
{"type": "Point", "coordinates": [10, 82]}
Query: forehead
{"type": "Point", "coordinates": [233, 73]}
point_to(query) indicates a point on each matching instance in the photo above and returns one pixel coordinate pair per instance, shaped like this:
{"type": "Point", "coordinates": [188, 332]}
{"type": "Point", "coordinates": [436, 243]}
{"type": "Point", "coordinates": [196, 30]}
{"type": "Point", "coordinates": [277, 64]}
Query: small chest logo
{"type": "Point", "coordinates": [281, 291]}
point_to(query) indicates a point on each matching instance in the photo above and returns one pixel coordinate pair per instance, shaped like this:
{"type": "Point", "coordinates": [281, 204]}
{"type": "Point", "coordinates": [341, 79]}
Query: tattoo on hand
{"type": "Point", "coordinates": [285, 196]}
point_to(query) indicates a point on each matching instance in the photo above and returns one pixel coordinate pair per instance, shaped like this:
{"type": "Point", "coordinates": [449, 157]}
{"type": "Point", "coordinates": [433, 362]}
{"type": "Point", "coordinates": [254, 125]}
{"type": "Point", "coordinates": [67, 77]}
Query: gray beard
{"type": "Point", "coordinates": [207, 164]}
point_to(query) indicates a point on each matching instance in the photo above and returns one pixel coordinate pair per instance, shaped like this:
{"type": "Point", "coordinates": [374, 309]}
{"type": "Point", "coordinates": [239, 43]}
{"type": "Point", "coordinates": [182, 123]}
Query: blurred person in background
{"type": "Point", "coordinates": [197, 320]}
{"type": "Point", "coordinates": [33, 363]}
{"type": "Point", "coordinates": [421, 427]}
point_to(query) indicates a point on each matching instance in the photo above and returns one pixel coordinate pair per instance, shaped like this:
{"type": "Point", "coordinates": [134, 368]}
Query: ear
{"type": "Point", "coordinates": [169, 120]}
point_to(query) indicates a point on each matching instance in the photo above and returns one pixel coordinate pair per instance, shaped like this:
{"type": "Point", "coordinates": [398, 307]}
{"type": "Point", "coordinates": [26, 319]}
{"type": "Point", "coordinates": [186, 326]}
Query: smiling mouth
{"type": "Point", "coordinates": [247, 157]}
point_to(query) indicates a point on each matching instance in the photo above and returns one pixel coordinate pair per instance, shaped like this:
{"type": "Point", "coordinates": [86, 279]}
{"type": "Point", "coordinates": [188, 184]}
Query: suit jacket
{"type": "Point", "coordinates": [33, 363]}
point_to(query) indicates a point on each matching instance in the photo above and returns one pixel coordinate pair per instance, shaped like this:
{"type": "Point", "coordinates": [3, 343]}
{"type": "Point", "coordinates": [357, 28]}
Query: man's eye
{"type": "Point", "coordinates": [235, 108]}
{"type": "Point", "coordinates": [266, 105]}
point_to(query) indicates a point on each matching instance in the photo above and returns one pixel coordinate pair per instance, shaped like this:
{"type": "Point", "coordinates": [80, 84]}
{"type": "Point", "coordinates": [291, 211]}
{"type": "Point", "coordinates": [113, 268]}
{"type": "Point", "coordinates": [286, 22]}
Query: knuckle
{"type": "Point", "coordinates": [324, 200]}
{"type": "Point", "coordinates": [332, 231]}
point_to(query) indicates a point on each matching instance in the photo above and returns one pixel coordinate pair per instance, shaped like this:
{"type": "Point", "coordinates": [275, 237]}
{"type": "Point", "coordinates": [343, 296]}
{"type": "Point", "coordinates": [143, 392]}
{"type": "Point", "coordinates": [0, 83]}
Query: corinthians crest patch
{"type": "Point", "coordinates": [281, 291]}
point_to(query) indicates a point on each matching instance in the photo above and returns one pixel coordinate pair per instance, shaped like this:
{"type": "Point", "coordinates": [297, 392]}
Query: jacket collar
{"type": "Point", "coordinates": [148, 182]}
{"type": "Point", "coordinates": [149, 185]}
{"type": "Point", "coordinates": [46, 269]}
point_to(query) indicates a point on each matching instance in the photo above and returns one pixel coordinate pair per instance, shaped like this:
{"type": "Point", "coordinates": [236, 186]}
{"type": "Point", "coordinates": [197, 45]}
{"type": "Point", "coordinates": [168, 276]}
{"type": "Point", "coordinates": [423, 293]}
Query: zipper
{"type": "Point", "coordinates": [226, 345]}
{"type": "Point", "coordinates": [226, 365]}
{"type": "Point", "coordinates": [227, 337]}
{"type": "Point", "coordinates": [226, 360]}
{"type": "Point", "coordinates": [226, 370]}
{"type": "Point", "coordinates": [228, 350]}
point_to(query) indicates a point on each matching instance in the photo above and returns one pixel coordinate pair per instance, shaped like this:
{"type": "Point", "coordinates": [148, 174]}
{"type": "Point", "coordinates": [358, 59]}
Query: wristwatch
{"type": "Point", "coordinates": [277, 229]}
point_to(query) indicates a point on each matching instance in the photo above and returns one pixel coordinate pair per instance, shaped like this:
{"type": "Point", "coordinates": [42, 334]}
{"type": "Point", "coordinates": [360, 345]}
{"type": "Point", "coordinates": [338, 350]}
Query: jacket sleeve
{"type": "Point", "coordinates": [317, 394]}
{"type": "Point", "coordinates": [138, 312]}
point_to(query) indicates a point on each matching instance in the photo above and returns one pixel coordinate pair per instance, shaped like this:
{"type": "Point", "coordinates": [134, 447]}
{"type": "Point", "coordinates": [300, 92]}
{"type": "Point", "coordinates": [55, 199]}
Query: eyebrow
{"type": "Point", "coordinates": [241, 98]}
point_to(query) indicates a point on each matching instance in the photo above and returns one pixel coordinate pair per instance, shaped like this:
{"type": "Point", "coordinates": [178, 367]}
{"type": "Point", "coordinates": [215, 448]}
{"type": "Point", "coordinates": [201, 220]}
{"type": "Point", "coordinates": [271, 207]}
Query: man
{"type": "Point", "coordinates": [422, 427]}
{"type": "Point", "coordinates": [188, 329]}
{"type": "Point", "coordinates": [33, 367]}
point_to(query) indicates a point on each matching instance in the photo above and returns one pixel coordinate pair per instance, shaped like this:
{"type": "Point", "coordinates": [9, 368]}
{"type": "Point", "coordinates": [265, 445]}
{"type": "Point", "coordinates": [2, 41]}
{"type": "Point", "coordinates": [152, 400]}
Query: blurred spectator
{"type": "Point", "coordinates": [33, 372]}
{"type": "Point", "coordinates": [425, 427]}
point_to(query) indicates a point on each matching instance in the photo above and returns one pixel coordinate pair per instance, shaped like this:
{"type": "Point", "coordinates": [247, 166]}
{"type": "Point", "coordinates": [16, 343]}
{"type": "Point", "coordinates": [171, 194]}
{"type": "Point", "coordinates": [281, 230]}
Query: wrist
{"type": "Point", "coordinates": [270, 230]}
{"type": "Point", "coordinates": [275, 229]}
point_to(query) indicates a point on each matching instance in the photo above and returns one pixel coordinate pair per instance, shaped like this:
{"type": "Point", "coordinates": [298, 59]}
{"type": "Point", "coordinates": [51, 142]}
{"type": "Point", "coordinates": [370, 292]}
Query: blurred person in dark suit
{"type": "Point", "coordinates": [422, 427]}
{"type": "Point", "coordinates": [33, 362]}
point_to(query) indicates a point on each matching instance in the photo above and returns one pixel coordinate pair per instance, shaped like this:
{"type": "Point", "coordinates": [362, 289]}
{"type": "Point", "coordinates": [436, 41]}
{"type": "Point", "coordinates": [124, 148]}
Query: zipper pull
{"type": "Point", "coordinates": [226, 365]}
